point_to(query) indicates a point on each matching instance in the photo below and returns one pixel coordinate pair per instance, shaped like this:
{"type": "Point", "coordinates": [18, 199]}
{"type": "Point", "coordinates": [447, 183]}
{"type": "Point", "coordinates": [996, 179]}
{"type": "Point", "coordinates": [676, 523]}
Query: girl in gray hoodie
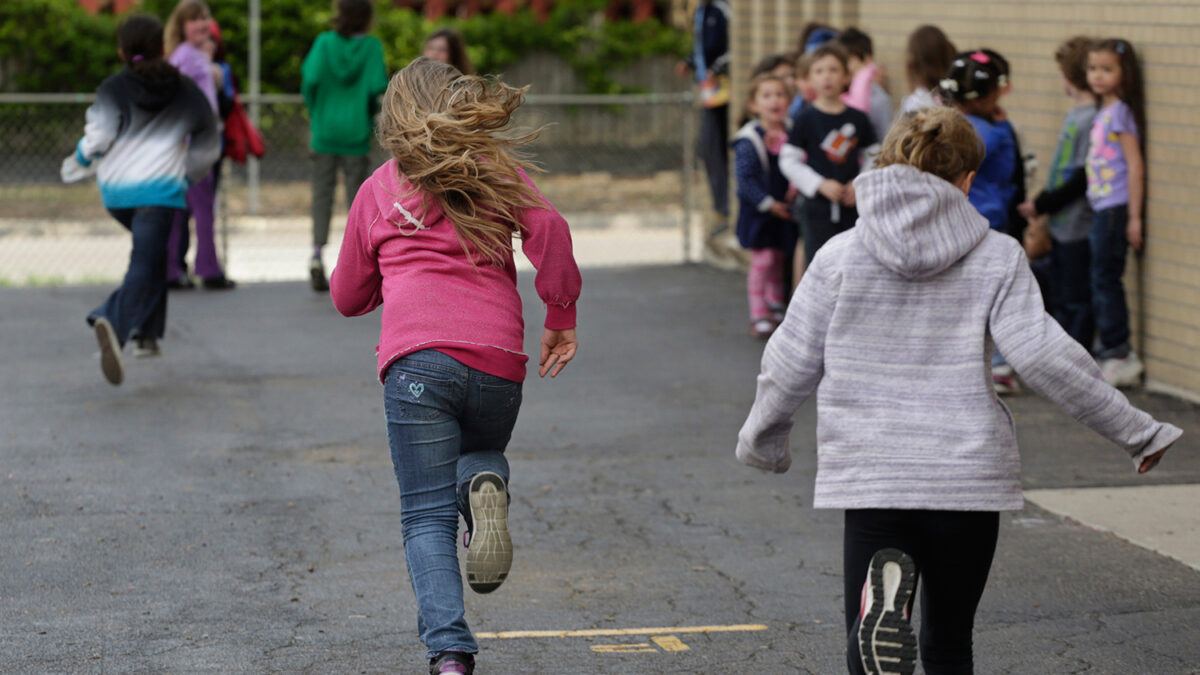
{"type": "Point", "coordinates": [893, 327]}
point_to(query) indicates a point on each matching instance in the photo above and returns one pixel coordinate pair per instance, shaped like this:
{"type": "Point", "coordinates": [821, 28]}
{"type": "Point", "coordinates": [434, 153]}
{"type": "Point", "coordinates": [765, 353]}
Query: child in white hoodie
{"type": "Point", "coordinates": [893, 326]}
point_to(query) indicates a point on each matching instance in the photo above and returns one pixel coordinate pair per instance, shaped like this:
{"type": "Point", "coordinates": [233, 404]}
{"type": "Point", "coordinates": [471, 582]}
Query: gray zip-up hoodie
{"type": "Point", "coordinates": [893, 326]}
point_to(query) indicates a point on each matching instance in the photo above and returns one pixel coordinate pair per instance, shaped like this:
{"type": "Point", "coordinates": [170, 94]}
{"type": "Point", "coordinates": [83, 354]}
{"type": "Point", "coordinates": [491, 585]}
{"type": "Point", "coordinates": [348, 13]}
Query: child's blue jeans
{"type": "Point", "coordinates": [1070, 290]}
{"type": "Point", "coordinates": [1108, 250]}
{"type": "Point", "coordinates": [447, 422]}
{"type": "Point", "coordinates": [138, 308]}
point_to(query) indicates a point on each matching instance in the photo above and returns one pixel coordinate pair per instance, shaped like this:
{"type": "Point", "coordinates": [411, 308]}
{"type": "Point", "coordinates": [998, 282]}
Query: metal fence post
{"type": "Point", "coordinates": [255, 94]}
{"type": "Point", "coordinates": [686, 175]}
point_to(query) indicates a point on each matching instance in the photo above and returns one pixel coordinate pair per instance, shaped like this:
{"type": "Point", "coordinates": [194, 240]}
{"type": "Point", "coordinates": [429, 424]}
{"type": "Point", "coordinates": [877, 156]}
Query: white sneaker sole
{"type": "Point", "coordinates": [885, 637]}
{"type": "Point", "coordinates": [110, 352]}
{"type": "Point", "coordinates": [490, 551]}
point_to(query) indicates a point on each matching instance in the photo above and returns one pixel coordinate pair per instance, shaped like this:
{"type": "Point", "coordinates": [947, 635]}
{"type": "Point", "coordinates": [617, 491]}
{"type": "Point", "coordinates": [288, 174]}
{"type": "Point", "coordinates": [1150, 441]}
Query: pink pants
{"type": "Point", "coordinates": [201, 199]}
{"type": "Point", "coordinates": [764, 283]}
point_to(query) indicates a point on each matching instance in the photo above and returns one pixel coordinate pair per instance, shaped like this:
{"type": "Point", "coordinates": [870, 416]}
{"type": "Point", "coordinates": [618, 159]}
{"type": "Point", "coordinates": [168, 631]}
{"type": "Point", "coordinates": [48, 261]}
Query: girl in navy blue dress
{"type": "Point", "coordinates": [764, 224]}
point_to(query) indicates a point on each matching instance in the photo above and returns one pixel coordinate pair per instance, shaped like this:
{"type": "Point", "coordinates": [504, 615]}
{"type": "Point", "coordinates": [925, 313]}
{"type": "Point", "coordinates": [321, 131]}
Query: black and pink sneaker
{"type": "Point", "coordinates": [452, 662]}
{"type": "Point", "coordinates": [885, 637]}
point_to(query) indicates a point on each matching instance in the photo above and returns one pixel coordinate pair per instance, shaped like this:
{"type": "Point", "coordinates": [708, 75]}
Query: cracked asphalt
{"type": "Point", "coordinates": [231, 508]}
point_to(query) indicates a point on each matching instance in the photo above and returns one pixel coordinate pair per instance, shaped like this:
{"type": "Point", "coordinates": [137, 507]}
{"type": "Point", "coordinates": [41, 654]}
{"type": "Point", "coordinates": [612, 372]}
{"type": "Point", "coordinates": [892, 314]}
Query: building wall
{"type": "Point", "coordinates": [1166, 309]}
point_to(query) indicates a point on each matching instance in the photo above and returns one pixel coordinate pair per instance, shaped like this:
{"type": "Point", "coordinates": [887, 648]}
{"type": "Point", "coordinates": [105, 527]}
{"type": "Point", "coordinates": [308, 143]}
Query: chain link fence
{"type": "Point", "coordinates": [620, 168]}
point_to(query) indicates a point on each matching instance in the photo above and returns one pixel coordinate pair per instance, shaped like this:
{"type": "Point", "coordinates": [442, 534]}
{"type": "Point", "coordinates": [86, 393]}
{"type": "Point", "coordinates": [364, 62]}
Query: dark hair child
{"type": "Point", "coordinates": [1116, 172]}
{"type": "Point", "coordinates": [149, 133]}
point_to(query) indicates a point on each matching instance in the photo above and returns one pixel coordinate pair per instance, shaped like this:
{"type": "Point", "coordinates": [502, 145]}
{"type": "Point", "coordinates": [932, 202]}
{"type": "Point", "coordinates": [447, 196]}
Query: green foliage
{"type": "Point", "coordinates": [52, 45]}
{"type": "Point", "coordinates": [61, 48]}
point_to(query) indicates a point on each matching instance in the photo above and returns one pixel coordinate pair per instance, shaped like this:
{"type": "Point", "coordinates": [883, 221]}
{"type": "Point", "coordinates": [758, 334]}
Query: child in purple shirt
{"type": "Point", "coordinates": [1116, 192]}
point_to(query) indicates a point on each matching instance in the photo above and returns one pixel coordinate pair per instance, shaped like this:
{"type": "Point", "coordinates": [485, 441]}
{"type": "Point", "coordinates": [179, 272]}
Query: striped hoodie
{"type": "Point", "coordinates": [893, 326]}
{"type": "Point", "coordinates": [149, 139]}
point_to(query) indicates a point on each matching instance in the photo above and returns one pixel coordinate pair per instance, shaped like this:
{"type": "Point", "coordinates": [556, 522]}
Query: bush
{"type": "Point", "coordinates": [52, 45]}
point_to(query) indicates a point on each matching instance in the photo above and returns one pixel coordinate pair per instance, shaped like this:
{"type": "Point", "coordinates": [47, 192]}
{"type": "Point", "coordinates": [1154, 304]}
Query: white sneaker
{"type": "Point", "coordinates": [1126, 372]}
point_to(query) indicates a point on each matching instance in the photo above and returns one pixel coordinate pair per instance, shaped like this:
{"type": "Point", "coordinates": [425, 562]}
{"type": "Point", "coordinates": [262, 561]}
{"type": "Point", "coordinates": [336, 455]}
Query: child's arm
{"type": "Point", "coordinates": [310, 73]}
{"type": "Point", "coordinates": [1058, 368]}
{"type": "Point", "coordinates": [1137, 172]}
{"type": "Point", "coordinates": [546, 241]}
{"type": "Point", "coordinates": [792, 366]}
{"type": "Point", "coordinates": [793, 163]}
{"type": "Point", "coordinates": [1053, 200]}
{"type": "Point", "coordinates": [103, 121]}
{"type": "Point", "coordinates": [751, 183]}
{"type": "Point", "coordinates": [356, 284]}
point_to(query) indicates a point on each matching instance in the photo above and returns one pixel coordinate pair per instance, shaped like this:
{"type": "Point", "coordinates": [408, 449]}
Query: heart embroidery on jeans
{"type": "Point", "coordinates": [416, 388]}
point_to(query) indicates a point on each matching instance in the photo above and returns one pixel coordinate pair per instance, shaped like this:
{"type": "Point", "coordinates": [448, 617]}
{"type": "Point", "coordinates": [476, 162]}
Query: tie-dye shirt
{"type": "Point", "coordinates": [1107, 170]}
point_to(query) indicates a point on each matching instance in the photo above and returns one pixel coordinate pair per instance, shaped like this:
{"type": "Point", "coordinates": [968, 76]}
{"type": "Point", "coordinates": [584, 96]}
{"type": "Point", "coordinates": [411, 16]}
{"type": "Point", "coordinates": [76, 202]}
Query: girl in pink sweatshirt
{"type": "Point", "coordinates": [430, 238]}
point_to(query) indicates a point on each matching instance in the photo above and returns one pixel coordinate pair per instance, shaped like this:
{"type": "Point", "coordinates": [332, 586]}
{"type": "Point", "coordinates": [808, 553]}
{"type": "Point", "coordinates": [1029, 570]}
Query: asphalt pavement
{"type": "Point", "coordinates": [231, 508]}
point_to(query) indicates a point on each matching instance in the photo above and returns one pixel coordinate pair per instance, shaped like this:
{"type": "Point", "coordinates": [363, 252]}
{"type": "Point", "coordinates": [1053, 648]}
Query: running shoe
{"type": "Point", "coordinates": [1004, 380]}
{"type": "Point", "coordinates": [489, 546]}
{"type": "Point", "coordinates": [885, 637]}
{"type": "Point", "coordinates": [452, 662]}
{"type": "Point", "coordinates": [110, 351]}
{"type": "Point", "coordinates": [1125, 372]}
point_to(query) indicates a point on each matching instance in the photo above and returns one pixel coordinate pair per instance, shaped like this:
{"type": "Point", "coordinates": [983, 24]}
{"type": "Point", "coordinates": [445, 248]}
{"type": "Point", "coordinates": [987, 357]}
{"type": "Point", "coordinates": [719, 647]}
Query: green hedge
{"type": "Point", "coordinates": [55, 46]}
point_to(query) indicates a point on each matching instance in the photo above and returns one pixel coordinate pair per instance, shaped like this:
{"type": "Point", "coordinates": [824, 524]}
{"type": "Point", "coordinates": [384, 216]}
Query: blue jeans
{"type": "Point", "coordinates": [447, 422]}
{"type": "Point", "coordinates": [1071, 291]}
{"type": "Point", "coordinates": [138, 308]}
{"type": "Point", "coordinates": [1108, 249]}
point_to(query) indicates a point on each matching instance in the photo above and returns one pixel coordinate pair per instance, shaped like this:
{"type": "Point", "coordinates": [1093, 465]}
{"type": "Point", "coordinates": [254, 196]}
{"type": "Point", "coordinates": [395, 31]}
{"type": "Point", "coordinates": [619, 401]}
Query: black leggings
{"type": "Point", "coordinates": [953, 553]}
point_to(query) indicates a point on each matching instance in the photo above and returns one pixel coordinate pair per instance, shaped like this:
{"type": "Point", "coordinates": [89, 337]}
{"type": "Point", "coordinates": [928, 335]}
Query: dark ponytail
{"type": "Point", "coordinates": [973, 75]}
{"type": "Point", "coordinates": [140, 38]}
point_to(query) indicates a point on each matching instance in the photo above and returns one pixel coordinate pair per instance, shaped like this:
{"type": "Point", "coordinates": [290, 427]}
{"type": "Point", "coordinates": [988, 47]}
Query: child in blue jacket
{"type": "Point", "coordinates": [764, 224]}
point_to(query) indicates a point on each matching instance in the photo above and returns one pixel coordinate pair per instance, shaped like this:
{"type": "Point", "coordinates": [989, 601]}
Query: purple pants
{"type": "Point", "coordinates": [201, 200]}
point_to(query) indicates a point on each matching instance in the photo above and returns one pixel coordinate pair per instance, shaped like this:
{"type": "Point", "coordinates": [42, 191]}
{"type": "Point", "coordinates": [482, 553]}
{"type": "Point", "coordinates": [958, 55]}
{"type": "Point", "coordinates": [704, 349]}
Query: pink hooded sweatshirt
{"type": "Point", "coordinates": [402, 252]}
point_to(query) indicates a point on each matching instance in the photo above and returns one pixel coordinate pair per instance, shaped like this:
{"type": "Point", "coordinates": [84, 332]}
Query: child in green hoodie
{"type": "Point", "coordinates": [342, 78]}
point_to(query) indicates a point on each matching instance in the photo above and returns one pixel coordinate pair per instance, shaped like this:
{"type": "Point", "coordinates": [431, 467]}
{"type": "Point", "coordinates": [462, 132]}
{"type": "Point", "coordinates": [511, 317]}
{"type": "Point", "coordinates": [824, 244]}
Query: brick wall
{"type": "Point", "coordinates": [1166, 34]}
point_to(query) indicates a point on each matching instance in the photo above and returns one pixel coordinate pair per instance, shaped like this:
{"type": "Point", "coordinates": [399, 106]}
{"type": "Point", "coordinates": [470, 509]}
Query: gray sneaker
{"type": "Point", "coordinates": [110, 351]}
{"type": "Point", "coordinates": [489, 546]}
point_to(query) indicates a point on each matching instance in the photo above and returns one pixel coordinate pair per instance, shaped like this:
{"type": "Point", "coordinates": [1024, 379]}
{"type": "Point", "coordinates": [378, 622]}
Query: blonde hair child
{"type": "Point", "coordinates": [429, 237]}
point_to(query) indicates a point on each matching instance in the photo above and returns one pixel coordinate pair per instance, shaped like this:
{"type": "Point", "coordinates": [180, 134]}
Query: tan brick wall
{"type": "Point", "coordinates": [1167, 36]}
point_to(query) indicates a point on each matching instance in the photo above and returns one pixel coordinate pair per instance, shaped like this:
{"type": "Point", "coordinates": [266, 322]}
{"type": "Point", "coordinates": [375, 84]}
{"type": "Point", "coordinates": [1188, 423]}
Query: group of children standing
{"type": "Point", "coordinates": [795, 171]}
{"type": "Point", "coordinates": [921, 306]}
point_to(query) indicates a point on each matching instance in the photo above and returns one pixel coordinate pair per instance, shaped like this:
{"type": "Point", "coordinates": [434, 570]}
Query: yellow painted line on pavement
{"type": "Point", "coordinates": [669, 643]}
{"type": "Point", "coordinates": [624, 649]}
{"type": "Point", "coordinates": [606, 632]}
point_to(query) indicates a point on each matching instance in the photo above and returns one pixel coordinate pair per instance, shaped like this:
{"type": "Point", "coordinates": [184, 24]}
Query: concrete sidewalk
{"type": "Point", "coordinates": [231, 508]}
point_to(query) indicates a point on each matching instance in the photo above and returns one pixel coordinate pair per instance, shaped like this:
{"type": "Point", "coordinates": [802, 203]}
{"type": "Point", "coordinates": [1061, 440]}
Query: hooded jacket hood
{"type": "Point", "coordinates": [148, 94]}
{"type": "Point", "coordinates": [914, 223]}
{"type": "Point", "coordinates": [345, 57]}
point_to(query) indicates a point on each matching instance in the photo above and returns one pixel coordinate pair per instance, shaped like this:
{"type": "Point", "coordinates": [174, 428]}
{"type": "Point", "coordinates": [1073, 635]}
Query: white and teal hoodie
{"type": "Point", "coordinates": [147, 139]}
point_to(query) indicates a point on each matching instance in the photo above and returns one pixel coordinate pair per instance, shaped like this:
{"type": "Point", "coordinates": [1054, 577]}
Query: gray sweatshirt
{"type": "Point", "coordinates": [893, 326]}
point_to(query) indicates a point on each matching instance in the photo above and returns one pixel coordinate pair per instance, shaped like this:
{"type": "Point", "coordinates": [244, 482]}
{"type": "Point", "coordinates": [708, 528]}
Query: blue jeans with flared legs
{"type": "Point", "coordinates": [138, 308]}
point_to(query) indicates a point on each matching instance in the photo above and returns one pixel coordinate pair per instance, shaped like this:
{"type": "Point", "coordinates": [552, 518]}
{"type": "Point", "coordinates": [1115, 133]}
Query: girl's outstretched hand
{"type": "Point", "coordinates": [1150, 462]}
{"type": "Point", "coordinates": [558, 348]}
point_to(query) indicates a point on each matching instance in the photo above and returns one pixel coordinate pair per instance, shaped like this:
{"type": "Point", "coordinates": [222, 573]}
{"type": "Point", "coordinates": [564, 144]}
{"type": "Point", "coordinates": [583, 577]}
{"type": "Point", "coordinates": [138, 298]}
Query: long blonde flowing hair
{"type": "Point", "coordinates": [185, 11]}
{"type": "Point", "coordinates": [449, 135]}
